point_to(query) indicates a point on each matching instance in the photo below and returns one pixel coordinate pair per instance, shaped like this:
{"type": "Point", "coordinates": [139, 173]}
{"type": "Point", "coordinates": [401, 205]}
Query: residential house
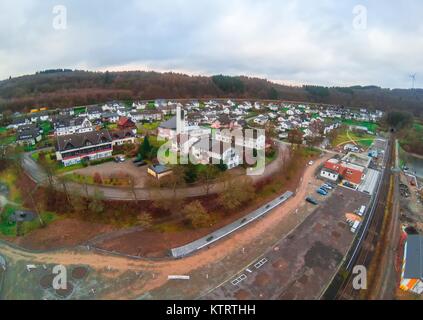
{"type": "Point", "coordinates": [261, 120]}
{"type": "Point", "coordinates": [74, 148]}
{"type": "Point", "coordinates": [126, 123]}
{"type": "Point", "coordinates": [208, 151]}
{"type": "Point", "coordinates": [28, 134]}
{"type": "Point", "coordinates": [110, 117]}
{"type": "Point", "coordinates": [121, 137]}
{"type": "Point", "coordinates": [240, 139]}
{"type": "Point", "coordinates": [17, 122]}
{"type": "Point", "coordinates": [223, 121]}
{"type": "Point", "coordinates": [65, 125]}
{"type": "Point", "coordinates": [94, 112]}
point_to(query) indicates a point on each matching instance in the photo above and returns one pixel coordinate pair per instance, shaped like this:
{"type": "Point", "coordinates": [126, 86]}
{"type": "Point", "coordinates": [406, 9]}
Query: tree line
{"type": "Point", "coordinates": [66, 88]}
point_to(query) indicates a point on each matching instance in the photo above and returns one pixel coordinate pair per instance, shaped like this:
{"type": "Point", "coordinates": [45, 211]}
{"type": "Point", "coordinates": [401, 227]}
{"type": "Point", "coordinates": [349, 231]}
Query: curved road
{"type": "Point", "coordinates": [37, 174]}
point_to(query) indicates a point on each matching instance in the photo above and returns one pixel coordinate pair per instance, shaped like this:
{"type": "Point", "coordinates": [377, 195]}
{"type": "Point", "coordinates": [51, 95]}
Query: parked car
{"type": "Point", "coordinates": [349, 185]}
{"type": "Point", "coordinates": [331, 185]}
{"type": "Point", "coordinates": [312, 201]}
{"type": "Point", "coordinates": [361, 211]}
{"type": "Point", "coordinates": [322, 192]}
{"type": "Point", "coordinates": [119, 159]}
{"type": "Point", "coordinates": [355, 226]}
{"type": "Point", "coordinates": [326, 188]}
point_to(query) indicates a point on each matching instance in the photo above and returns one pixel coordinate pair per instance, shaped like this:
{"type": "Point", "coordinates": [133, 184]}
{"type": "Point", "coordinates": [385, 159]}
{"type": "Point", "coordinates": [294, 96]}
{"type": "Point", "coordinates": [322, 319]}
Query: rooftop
{"type": "Point", "coordinates": [414, 257]}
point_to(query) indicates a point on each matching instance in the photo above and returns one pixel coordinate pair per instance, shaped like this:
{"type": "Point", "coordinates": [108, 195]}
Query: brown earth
{"type": "Point", "coordinates": [152, 244]}
{"type": "Point", "coordinates": [62, 233]}
{"type": "Point", "coordinates": [71, 232]}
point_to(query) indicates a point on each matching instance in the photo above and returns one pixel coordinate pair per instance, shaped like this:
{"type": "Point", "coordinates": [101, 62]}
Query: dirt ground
{"type": "Point", "coordinates": [152, 244]}
{"type": "Point", "coordinates": [62, 233]}
{"type": "Point", "coordinates": [140, 175]}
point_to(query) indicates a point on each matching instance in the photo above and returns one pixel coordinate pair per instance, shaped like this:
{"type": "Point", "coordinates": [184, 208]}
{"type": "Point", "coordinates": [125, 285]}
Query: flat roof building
{"type": "Point", "coordinates": [412, 271]}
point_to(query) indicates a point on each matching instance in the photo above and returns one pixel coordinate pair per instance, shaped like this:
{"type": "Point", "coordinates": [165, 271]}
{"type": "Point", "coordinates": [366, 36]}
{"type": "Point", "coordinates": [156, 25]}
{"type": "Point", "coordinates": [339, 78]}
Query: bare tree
{"type": "Point", "coordinates": [132, 185]}
{"type": "Point", "coordinates": [197, 214]}
{"type": "Point", "coordinates": [236, 193]}
{"type": "Point", "coordinates": [207, 176]}
{"type": "Point", "coordinates": [145, 220]}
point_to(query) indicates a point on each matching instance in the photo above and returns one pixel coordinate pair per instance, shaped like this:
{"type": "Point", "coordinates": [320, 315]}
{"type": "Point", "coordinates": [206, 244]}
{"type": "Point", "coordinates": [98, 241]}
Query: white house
{"type": "Point", "coordinates": [72, 149]}
{"type": "Point", "coordinates": [241, 139]}
{"type": "Point", "coordinates": [69, 125]}
{"type": "Point", "coordinates": [206, 151]}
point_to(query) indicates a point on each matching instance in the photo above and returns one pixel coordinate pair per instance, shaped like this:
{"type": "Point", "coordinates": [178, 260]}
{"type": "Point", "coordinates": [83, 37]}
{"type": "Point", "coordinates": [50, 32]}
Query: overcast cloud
{"type": "Point", "coordinates": [293, 42]}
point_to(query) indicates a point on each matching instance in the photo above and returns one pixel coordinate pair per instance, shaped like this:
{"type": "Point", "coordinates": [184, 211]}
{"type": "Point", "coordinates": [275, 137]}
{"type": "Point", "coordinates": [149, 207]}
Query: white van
{"type": "Point", "coordinates": [362, 211]}
{"type": "Point", "coordinates": [355, 226]}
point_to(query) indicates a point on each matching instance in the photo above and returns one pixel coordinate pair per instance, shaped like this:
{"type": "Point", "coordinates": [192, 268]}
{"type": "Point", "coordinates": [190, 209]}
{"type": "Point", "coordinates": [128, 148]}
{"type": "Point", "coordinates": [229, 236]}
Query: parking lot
{"type": "Point", "coordinates": [112, 168]}
{"type": "Point", "coordinates": [303, 263]}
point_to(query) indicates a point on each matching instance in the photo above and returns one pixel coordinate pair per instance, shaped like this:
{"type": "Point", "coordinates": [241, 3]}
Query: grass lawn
{"type": "Point", "coordinates": [418, 127]}
{"type": "Point", "coordinates": [78, 178]}
{"type": "Point", "coordinates": [371, 126]}
{"type": "Point", "coordinates": [8, 177]}
{"type": "Point", "coordinates": [62, 169]}
{"type": "Point", "coordinates": [151, 126]}
{"type": "Point", "coordinates": [155, 142]}
{"type": "Point", "coordinates": [111, 126]}
{"type": "Point", "coordinates": [3, 130]}
{"type": "Point", "coordinates": [363, 140]}
{"type": "Point", "coordinates": [8, 140]}
{"type": "Point", "coordinates": [47, 127]}
{"type": "Point", "coordinates": [7, 228]}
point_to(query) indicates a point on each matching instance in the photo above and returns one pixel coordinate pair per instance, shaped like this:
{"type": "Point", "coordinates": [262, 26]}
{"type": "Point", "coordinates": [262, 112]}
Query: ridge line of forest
{"type": "Point", "coordinates": [66, 88]}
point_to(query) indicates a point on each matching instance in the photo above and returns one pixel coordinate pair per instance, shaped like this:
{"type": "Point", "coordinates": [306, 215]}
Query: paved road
{"type": "Point", "coordinates": [230, 228]}
{"type": "Point", "coordinates": [126, 194]}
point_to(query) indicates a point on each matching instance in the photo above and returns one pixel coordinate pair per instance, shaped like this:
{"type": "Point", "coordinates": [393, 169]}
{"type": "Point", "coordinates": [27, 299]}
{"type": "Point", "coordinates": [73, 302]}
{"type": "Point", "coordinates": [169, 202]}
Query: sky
{"type": "Point", "coordinates": [325, 42]}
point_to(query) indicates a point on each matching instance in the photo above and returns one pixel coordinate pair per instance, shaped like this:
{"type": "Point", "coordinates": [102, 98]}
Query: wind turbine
{"type": "Point", "coordinates": [413, 79]}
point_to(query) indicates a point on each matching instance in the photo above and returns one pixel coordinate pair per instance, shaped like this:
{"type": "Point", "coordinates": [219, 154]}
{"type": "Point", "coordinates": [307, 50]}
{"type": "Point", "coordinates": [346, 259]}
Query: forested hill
{"type": "Point", "coordinates": [64, 88]}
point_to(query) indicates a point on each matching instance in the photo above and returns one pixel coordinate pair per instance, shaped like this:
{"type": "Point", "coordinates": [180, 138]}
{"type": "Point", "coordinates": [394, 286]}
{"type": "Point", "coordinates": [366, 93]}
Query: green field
{"type": "Point", "coordinates": [151, 126]}
{"type": "Point", "coordinates": [7, 140]}
{"type": "Point", "coordinates": [47, 127]}
{"type": "Point", "coordinates": [369, 125]}
{"type": "Point", "coordinates": [418, 127]}
{"type": "Point", "coordinates": [363, 140]}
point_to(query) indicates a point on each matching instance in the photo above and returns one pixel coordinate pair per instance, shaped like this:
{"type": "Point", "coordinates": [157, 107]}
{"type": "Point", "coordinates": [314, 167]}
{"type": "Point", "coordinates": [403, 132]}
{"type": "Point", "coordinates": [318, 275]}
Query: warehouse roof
{"type": "Point", "coordinates": [414, 257]}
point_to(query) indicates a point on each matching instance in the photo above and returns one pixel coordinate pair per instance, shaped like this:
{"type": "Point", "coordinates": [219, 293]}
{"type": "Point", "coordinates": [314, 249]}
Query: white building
{"type": "Point", "coordinates": [68, 125]}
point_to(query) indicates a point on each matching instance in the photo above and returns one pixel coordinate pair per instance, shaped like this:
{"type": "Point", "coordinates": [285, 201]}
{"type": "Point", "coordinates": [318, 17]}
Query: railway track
{"type": "Point", "coordinates": [362, 251]}
{"type": "Point", "coordinates": [367, 249]}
